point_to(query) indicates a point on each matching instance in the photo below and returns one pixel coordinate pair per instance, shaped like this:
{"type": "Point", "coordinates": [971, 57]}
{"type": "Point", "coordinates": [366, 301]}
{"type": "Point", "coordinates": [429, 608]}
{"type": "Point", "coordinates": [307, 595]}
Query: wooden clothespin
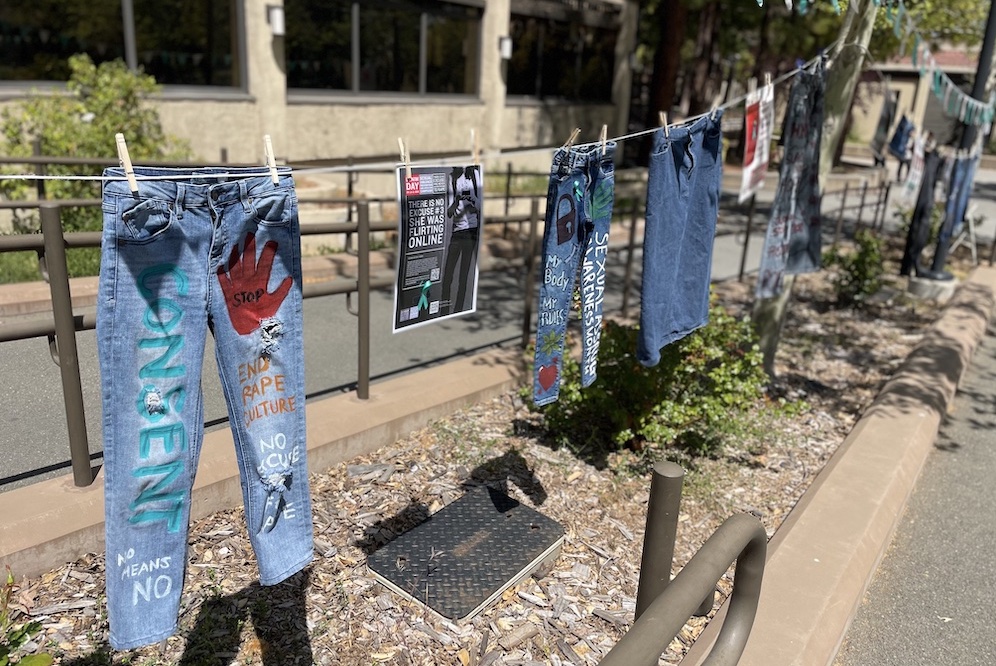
{"type": "Point", "coordinates": [125, 161]}
{"type": "Point", "coordinates": [667, 130]}
{"type": "Point", "coordinates": [475, 152]}
{"type": "Point", "coordinates": [271, 161]}
{"type": "Point", "coordinates": [751, 85]}
{"type": "Point", "coordinates": [767, 79]}
{"type": "Point", "coordinates": [604, 138]}
{"type": "Point", "coordinates": [572, 138]}
{"type": "Point", "coordinates": [405, 158]}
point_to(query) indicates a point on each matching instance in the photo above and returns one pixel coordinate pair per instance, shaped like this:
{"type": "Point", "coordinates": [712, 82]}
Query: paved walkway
{"type": "Point", "coordinates": [930, 601]}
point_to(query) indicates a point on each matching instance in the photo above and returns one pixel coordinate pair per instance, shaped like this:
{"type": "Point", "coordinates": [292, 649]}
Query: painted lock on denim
{"type": "Point", "coordinates": [182, 257]}
{"type": "Point", "coordinates": [575, 239]}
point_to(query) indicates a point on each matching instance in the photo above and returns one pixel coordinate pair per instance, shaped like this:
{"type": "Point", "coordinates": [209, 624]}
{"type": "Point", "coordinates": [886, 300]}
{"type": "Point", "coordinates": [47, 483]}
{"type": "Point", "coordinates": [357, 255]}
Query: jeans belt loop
{"type": "Point", "coordinates": [181, 196]}
{"type": "Point", "coordinates": [244, 195]}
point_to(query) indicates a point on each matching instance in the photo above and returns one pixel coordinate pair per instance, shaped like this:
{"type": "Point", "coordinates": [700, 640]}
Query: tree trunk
{"type": "Point", "coordinates": [705, 47]}
{"type": "Point", "coordinates": [844, 70]}
{"type": "Point", "coordinates": [671, 16]}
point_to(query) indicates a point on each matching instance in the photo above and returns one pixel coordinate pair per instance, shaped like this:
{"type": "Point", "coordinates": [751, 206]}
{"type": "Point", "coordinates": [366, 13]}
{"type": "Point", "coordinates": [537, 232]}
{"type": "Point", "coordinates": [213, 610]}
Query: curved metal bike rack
{"type": "Point", "coordinates": [663, 605]}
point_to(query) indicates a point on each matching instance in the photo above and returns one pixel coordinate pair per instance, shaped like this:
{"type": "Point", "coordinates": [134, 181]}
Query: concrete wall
{"type": "Point", "coordinates": [868, 101]}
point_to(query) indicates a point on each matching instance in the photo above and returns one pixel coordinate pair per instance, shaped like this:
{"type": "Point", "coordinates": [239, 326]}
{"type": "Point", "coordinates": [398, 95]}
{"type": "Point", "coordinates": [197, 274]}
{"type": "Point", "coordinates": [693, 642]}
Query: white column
{"type": "Point", "coordinates": [267, 82]}
{"type": "Point", "coordinates": [494, 25]}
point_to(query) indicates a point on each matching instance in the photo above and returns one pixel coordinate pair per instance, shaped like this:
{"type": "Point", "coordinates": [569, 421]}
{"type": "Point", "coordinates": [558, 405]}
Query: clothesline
{"type": "Point", "coordinates": [389, 165]}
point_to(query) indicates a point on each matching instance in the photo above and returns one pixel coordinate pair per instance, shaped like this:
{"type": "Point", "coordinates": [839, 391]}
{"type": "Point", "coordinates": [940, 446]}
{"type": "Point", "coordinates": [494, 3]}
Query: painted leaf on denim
{"type": "Point", "coordinates": [601, 200]}
{"type": "Point", "coordinates": [550, 343]}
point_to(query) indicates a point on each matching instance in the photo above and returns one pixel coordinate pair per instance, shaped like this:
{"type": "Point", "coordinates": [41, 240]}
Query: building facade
{"type": "Point", "coordinates": [329, 79]}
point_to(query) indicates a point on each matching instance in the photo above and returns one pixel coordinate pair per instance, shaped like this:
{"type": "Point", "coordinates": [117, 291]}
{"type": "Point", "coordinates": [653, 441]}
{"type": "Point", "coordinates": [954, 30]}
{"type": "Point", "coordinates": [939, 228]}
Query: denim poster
{"type": "Point", "coordinates": [792, 243]}
{"type": "Point", "coordinates": [575, 239]}
{"type": "Point", "coordinates": [179, 258]}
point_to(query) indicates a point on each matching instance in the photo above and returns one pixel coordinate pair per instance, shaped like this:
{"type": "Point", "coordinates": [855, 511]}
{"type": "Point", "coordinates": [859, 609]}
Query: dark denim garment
{"type": "Point", "coordinates": [792, 244]}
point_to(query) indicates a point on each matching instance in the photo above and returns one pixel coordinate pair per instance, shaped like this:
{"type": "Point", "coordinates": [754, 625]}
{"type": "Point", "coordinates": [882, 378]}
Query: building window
{"type": "Point", "coordinates": [187, 42]}
{"type": "Point", "coordinates": [318, 40]}
{"type": "Point", "coordinates": [37, 37]}
{"type": "Point", "coordinates": [391, 46]}
{"type": "Point", "coordinates": [179, 42]}
{"type": "Point", "coordinates": [553, 58]}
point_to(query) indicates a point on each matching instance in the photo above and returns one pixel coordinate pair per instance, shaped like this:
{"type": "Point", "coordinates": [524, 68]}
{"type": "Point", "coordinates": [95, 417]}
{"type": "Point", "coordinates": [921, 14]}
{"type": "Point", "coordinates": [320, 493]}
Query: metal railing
{"type": "Point", "coordinates": [61, 331]}
{"type": "Point", "coordinates": [663, 606]}
{"type": "Point", "coordinates": [52, 243]}
{"type": "Point", "coordinates": [880, 192]}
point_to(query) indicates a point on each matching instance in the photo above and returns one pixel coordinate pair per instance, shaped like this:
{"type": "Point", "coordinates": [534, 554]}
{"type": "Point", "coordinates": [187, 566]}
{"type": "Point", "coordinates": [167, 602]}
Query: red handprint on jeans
{"type": "Point", "coordinates": [245, 286]}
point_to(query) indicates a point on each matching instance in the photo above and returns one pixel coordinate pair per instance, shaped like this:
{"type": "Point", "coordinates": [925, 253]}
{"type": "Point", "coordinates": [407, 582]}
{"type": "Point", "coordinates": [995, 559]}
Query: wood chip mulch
{"type": "Point", "coordinates": [336, 613]}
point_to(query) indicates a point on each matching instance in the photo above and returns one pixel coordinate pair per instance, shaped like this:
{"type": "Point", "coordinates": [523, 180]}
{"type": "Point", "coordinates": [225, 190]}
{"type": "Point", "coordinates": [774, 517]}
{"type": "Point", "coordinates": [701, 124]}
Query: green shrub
{"type": "Point", "coordinates": [905, 217]}
{"type": "Point", "coordinates": [100, 101]}
{"type": "Point", "coordinates": [14, 636]}
{"type": "Point", "coordinates": [859, 273]}
{"type": "Point", "coordinates": [694, 398]}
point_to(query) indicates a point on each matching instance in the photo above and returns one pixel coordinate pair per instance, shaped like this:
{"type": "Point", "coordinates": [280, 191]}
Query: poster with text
{"type": "Point", "coordinates": [439, 238]}
{"type": "Point", "coordinates": [758, 118]}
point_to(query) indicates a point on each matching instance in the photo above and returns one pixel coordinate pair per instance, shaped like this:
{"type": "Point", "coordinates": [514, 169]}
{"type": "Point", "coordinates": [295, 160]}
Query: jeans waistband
{"type": "Point", "coordinates": [700, 125]}
{"type": "Point", "coordinates": [574, 158]}
{"type": "Point", "coordinates": [196, 187]}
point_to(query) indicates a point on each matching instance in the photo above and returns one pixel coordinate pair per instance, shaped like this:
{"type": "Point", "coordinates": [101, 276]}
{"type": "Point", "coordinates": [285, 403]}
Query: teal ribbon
{"type": "Point", "coordinates": [423, 300]}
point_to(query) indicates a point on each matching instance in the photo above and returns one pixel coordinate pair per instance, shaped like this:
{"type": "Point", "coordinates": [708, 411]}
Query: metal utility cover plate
{"type": "Point", "coordinates": [467, 553]}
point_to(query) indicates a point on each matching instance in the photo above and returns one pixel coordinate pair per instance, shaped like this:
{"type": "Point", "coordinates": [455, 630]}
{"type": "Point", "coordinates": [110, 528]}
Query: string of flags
{"type": "Point", "coordinates": [955, 102]}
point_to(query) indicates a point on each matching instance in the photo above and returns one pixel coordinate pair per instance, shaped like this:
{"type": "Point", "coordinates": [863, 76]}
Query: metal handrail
{"type": "Point", "coordinates": [740, 539]}
{"type": "Point", "coordinates": [663, 606]}
{"type": "Point", "coordinates": [61, 330]}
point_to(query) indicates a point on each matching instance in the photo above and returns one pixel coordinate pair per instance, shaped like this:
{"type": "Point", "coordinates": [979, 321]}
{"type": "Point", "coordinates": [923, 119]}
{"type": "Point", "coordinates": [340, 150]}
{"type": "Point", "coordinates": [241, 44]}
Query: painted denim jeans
{"type": "Point", "coordinates": [575, 240]}
{"type": "Point", "coordinates": [182, 257]}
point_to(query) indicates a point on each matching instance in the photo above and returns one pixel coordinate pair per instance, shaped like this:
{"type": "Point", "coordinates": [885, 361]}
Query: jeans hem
{"type": "Point", "coordinates": [279, 578]}
{"type": "Point", "coordinates": [141, 642]}
{"type": "Point", "coordinates": [651, 361]}
{"type": "Point", "coordinates": [545, 401]}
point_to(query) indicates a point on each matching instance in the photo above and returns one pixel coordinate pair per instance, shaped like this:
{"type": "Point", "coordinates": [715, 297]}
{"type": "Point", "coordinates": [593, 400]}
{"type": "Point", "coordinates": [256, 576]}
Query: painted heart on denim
{"type": "Point", "coordinates": [548, 375]}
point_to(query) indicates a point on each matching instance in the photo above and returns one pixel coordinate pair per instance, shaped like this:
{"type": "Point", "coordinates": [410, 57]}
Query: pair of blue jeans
{"type": "Point", "coordinates": [793, 242]}
{"type": "Point", "coordinates": [682, 206]}
{"type": "Point", "coordinates": [575, 238]}
{"type": "Point", "coordinates": [962, 180]}
{"type": "Point", "coordinates": [197, 252]}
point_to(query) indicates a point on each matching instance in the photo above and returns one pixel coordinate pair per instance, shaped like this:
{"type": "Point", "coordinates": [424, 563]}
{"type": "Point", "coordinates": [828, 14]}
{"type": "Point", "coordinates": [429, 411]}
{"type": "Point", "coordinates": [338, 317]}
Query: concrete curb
{"type": "Point", "coordinates": [823, 557]}
{"type": "Point", "coordinates": [52, 522]}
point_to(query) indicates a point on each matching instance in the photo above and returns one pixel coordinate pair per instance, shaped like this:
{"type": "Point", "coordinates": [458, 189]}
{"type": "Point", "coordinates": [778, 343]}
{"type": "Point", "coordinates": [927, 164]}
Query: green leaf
{"type": "Point", "coordinates": [601, 201]}
{"type": "Point", "coordinates": [36, 660]}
